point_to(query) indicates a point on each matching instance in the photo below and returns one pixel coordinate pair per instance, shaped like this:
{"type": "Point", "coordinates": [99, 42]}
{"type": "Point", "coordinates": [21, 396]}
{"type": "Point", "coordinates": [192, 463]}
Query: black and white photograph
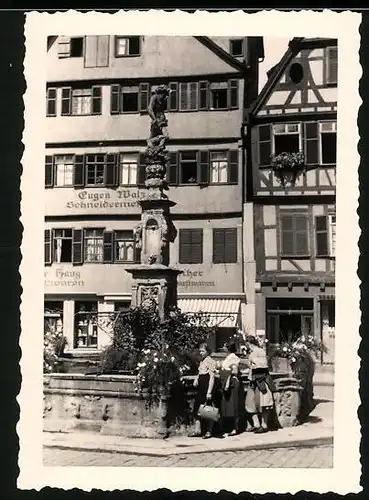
{"type": "Point", "coordinates": [198, 229]}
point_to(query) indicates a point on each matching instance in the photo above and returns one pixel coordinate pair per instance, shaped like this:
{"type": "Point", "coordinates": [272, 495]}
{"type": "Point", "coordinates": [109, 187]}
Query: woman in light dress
{"type": "Point", "coordinates": [259, 397]}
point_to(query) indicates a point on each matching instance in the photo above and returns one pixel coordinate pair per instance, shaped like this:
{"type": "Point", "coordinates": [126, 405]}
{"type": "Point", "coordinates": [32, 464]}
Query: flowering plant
{"type": "Point", "coordinates": [288, 161]}
{"type": "Point", "coordinates": [298, 349]}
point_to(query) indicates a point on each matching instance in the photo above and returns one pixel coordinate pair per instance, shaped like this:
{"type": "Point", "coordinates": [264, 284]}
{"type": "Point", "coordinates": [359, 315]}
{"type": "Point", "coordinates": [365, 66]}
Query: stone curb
{"type": "Point", "coordinates": [302, 443]}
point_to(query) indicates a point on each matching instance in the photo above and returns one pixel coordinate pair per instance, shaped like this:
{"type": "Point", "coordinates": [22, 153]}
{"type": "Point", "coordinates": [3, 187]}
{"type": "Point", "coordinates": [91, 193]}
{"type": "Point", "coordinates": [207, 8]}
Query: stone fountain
{"type": "Point", "coordinates": [153, 280]}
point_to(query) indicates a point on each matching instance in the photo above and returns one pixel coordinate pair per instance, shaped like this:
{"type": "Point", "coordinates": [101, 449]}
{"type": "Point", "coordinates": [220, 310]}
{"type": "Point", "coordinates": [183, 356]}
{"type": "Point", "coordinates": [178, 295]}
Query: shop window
{"type": "Point", "coordinates": [286, 138]}
{"type": "Point", "coordinates": [121, 305]}
{"type": "Point", "coordinates": [128, 170]}
{"type": "Point", "coordinates": [190, 246]}
{"type": "Point", "coordinates": [225, 245]}
{"type": "Point", "coordinates": [94, 245]}
{"type": "Point", "coordinates": [127, 46]}
{"type": "Point", "coordinates": [237, 47]}
{"type": "Point", "coordinates": [53, 316]}
{"type": "Point", "coordinates": [63, 240]}
{"type": "Point", "coordinates": [85, 324]}
{"type": "Point", "coordinates": [64, 170]}
{"type": "Point", "coordinates": [328, 143]}
{"type": "Point", "coordinates": [125, 250]}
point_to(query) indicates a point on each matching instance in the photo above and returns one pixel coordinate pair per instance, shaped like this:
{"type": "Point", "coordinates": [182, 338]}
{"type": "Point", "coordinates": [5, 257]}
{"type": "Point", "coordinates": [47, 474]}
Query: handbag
{"type": "Point", "coordinates": [208, 412]}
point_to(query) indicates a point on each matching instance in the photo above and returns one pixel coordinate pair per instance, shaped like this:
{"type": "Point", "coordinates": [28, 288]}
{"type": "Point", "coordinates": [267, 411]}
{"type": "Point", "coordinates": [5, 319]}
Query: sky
{"type": "Point", "coordinates": [274, 49]}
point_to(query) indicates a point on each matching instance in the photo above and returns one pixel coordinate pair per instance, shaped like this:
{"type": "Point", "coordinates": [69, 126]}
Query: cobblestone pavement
{"type": "Point", "coordinates": [316, 457]}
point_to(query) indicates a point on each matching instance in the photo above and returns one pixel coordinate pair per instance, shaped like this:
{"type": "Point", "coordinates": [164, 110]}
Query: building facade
{"type": "Point", "coordinates": [97, 93]}
{"type": "Point", "coordinates": [292, 277]}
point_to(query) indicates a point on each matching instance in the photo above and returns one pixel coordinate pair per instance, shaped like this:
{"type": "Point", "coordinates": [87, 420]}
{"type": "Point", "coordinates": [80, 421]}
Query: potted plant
{"type": "Point", "coordinates": [288, 166]}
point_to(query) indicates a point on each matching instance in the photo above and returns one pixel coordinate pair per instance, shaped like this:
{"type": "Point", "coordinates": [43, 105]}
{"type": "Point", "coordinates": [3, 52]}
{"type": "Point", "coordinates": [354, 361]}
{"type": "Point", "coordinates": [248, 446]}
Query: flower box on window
{"type": "Point", "coordinates": [288, 166]}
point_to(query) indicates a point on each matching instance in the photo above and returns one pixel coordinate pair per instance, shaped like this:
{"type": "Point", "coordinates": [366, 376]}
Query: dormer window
{"type": "Point", "coordinates": [126, 46]}
{"type": "Point", "coordinates": [237, 47]}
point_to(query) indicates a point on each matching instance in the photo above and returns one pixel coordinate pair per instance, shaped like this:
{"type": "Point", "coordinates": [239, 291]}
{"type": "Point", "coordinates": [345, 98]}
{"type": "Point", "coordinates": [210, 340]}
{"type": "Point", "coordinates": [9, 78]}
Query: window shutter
{"type": "Point", "coordinates": [184, 246]}
{"type": "Point", "coordinates": [96, 100]}
{"type": "Point", "coordinates": [218, 246]}
{"type": "Point", "coordinates": [203, 168]}
{"type": "Point", "coordinates": [193, 95]}
{"type": "Point", "coordinates": [173, 96]}
{"type": "Point", "coordinates": [230, 244]}
{"type": "Point", "coordinates": [204, 95]}
{"type": "Point", "coordinates": [63, 47]}
{"type": "Point", "coordinates": [77, 246]}
{"type": "Point", "coordinates": [144, 96]}
{"type": "Point", "coordinates": [287, 235]}
{"type": "Point", "coordinates": [233, 94]}
{"type": "Point", "coordinates": [301, 235]}
{"type": "Point", "coordinates": [183, 101]}
{"type": "Point", "coordinates": [48, 247]}
{"type": "Point", "coordinates": [196, 246]}
{"type": "Point", "coordinates": [108, 246]}
{"type": "Point", "coordinates": [66, 101]}
{"type": "Point", "coordinates": [141, 177]}
{"type": "Point", "coordinates": [90, 56]}
{"type": "Point", "coordinates": [311, 143]}
{"type": "Point", "coordinates": [114, 99]}
{"type": "Point", "coordinates": [332, 65]}
{"type": "Point", "coordinates": [79, 171]}
{"type": "Point", "coordinates": [173, 170]}
{"type": "Point", "coordinates": [264, 145]}
{"type": "Point", "coordinates": [51, 102]}
{"type": "Point", "coordinates": [49, 171]}
{"type": "Point", "coordinates": [321, 235]}
{"type": "Point", "coordinates": [111, 177]}
{"type": "Point", "coordinates": [102, 51]}
{"type": "Point", "coordinates": [233, 166]}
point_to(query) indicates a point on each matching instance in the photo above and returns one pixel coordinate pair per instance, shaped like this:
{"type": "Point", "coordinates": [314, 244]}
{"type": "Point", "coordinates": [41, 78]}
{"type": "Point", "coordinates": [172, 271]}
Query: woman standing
{"type": "Point", "coordinates": [205, 384]}
{"type": "Point", "coordinates": [232, 391]}
{"type": "Point", "coordinates": [259, 397]}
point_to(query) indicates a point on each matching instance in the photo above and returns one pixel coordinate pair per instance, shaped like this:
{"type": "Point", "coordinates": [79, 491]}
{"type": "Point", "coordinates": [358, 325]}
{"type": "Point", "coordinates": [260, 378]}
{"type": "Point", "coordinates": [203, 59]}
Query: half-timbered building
{"type": "Point", "coordinates": [291, 170]}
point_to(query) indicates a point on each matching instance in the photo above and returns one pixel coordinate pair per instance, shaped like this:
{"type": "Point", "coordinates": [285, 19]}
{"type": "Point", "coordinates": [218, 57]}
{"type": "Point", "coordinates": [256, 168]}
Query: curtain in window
{"type": "Point", "coordinates": [219, 166]}
{"type": "Point", "coordinates": [81, 102]}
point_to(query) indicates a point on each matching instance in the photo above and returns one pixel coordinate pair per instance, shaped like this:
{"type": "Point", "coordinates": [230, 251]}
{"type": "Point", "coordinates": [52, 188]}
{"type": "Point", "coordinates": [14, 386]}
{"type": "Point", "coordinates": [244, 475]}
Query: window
{"type": "Point", "coordinates": [188, 96]}
{"type": "Point", "coordinates": [237, 47]}
{"type": "Point", "coordinates": [219, 95]}
{"type": "Point", "coordinates": [127, 46]}
{"type": "Point", "coordinates": [80, 102]}
{"type": "Point", "coordinates": [64, 168]}
{"type": "Point", "coordinates": [328, 143]}
{"type": "Point", "coordinates": [53, 316]}
{"type": "Point", "coordinates": [188, 167]}
{"type": "Point", "coordinates": [286, 138]}
{"type": "Point", "coordinates": [325, 234]}
{"type": "Point", "coordinates": [190, 246]}
{"type": "Point", "coordinates": [331, 65]}
{"type": "Point", "coordinates": [129, 99]}
{"type": "Point", "coordinates": [76, 47]}
{"type": "Point", "coordinates": [128, 169]}
{"type": "Point", "coordinates": [294, 235]}
{"type": "Point", "coordinates": [219, 167]}
{"type": "Point", "coordinates": [70, 47]}
{"type": "Point", "coordinates": [85, 324]}
{"type": "Point", "coordinates": [125, 250]}
{"type": "Point", "coordinates": [225, 245]}
{"type": "Point", "coordinates": [94, 245]}
{"type": "Point", "coordinates": [95, 168]}
{"type": "Point", "coordinates": [51, 102]}
{"type": "Point", "coordinates": [121, 305]}
{"type": "Point", "coordinates": [296, 73]}
{"type": "Point", "coordinates": [62, 239]}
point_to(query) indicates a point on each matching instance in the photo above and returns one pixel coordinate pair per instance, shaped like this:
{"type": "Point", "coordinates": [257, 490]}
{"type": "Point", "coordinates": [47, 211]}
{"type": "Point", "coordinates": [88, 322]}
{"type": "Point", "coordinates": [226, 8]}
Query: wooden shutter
{"type": "Point", "coordinates": [203, 168]}
{"type": "Point", "coordinates": [196, 246]}
{"type": "Point", "coordinates": [108, 240]}
{"type": "Point", "coordinates": [301, 235]}
{"type": "Point", "coordinates": [48, 246]}
{"type": "Point", "coordinates": [51, 102]}
{"type": "Point", "coordinates": [218, 246]}
{"type": "Point", "coordinates": [233, 94]}
{"type": "Point", "coordinates": [173, 97]}
{"type": "Point", "coordinates": [115, 99]}
{"type": "Point", "coordinates": [111, 174]}
{"type": "Point", "coordinates": [203, 95]}
{"type": "Point", "coordinates": [231, 245]}
{"type": "Point", "coordinates": [311, 143]}
{"type": "Point", "coordinates": [63, 47]}
{"type": "Point", "coordinates": [141, 174]}
{"type": "Point", "coordinates": [49, 171]}
{"type": "Point", "coordinates": [172, 169]}
{"type": "Point", "coordinates": [185, 246]}
{"type": "Point", "coordinates": [232, 173]}
{"type": "Point", "coordinates": [287, 235]}
{"type": "Point", "coordinates": [102, 60]}
{"type": "Point", "coordinates": [79, 171]}
{"type": "Point", "coordinates": [144, 96]}
{"type": "Point", "coordinates": [321, 236]}
{"type": "Point", "coordinates": [96, 100]}
{"type": "Point", "coordinates": [66, 101]}
{"type": "Point", "coordinates": [77, 246]}
{"type": "Point", "coordinates": [332, 65]}
{"type": "Point", "coordinates": [265, 149]}
{"type": "Point", "coordinates": [193, 96]}
{"type": "Point", "coordinates": [90, 57]}
{"type": "Point", "coordinates": [183, 99]}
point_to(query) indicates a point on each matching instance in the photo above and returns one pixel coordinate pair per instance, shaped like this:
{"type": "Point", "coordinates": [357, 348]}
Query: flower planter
{"type": "Point", "coordinates": [288, 176]}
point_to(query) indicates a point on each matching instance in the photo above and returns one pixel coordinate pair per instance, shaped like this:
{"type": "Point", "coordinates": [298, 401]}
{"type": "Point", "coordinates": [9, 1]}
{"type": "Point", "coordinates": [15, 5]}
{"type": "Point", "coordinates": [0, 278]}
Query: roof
{"type": "Point", "coordinates": [275, 73]}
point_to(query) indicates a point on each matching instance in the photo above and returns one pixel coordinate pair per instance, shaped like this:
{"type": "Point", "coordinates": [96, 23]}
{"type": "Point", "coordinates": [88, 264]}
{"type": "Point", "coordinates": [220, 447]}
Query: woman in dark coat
{"type": "Point", "coordinates": [233, 397]}
{"type": "Point", "coordinates": [205, 384]}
